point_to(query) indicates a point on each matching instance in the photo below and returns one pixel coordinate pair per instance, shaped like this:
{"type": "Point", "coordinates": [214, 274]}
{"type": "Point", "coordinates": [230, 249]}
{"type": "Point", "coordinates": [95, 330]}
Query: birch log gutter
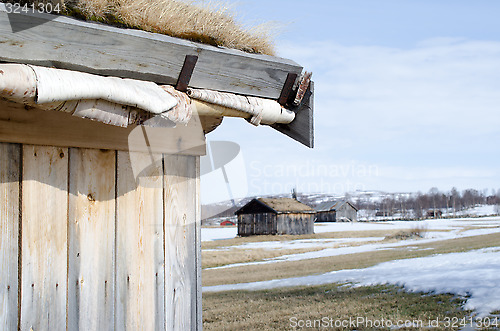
{"type": "Point", "coordinates": [118, 101]}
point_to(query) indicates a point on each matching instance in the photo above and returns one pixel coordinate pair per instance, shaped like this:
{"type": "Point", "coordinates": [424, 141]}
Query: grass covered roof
{"type": "Point", "coordinates": [209, 22]}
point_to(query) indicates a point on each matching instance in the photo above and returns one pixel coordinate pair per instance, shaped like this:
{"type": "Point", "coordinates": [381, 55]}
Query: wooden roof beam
{"type": "Point", "coordinates": [67, 43]}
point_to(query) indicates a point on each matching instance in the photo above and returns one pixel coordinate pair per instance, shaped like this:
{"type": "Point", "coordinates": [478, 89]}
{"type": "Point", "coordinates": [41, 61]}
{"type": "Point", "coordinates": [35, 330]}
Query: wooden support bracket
{"type": "Point", "coordinates": [287, 89]}
{"type": "Point", "coordinates": [186, 72]}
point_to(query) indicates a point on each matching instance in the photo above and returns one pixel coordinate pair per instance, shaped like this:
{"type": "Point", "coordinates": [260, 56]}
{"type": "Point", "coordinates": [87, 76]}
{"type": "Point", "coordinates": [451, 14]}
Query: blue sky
{"type": "Point", "coordinates": [407, 98]}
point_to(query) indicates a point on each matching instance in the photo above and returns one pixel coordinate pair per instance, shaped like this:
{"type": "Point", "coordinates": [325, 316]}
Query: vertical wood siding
{"type": "Point", "coordinates": [91, 247]}
{"type": "Point", "coordinates": [181, 283]}
{"type": "Point", "coordinates": [257, 224]}
{"type": "Point", "coordinates": [9, 231]}
{"type": "Point", "coordinates": [326, 216]}
{"type": "Point", "coordinates": [139, 239]}
{"type": "Point", "coordinates": [296, 223]}
{"type": "Point", "coordinates": [44, 238]}
{"type": "Point", "coordinates": [271, 223]}
{"type": "Point", "coordinates": [347, 212]}
{"type": "Point", "coordinates": [196, 320]}
{"type": "Point", "coordinates": [91, 236]}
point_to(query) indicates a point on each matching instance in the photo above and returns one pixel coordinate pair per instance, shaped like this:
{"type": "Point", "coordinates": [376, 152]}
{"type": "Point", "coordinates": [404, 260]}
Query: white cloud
{"type": "Point", "coordinates": [450, 84]}
{"type": "Point", "coordinates": [426, 116]}
{"type": "Point", "coordinates": [391, 96]}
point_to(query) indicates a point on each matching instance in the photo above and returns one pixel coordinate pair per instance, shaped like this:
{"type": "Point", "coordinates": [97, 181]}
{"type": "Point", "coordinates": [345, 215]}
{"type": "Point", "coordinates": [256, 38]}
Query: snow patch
{"type": "Point", "coordinates": [475, 274]}
{"type": "Point", "coordinates": [210, 234]}
{"type": "Point", "coordinates": [336, 251]}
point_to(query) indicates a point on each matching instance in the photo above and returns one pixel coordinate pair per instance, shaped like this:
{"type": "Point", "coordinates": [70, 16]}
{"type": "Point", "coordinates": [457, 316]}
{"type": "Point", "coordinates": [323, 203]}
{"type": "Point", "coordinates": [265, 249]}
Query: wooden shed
{"type": "Point", "coordinates": [336, 211]}
{"type": "Point", "coordinates": [275, 217]}
{"type": "Point", "coordinates": [100, 149]}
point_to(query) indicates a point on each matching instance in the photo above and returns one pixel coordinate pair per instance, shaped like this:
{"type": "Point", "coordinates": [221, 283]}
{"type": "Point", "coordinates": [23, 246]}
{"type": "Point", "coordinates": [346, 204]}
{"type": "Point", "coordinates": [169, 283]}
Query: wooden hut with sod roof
{"type": "Point", "coordinates": [101, 133]}
{"type": "Point", "coordinates": [275, 217]}
{"type": "Point", "coordinates": [336, 211]}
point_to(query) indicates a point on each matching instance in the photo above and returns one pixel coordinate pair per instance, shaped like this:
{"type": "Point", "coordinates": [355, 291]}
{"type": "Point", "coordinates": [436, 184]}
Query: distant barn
{"type": "Point", "coordinates": [336, 211]}
{"type": "Point", "coordinates": [275, 217]}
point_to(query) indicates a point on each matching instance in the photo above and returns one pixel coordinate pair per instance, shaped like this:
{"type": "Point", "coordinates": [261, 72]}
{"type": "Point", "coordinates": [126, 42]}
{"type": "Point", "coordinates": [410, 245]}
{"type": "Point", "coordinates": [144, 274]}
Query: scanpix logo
{"type": "Point", "coordinates": [24, 15]}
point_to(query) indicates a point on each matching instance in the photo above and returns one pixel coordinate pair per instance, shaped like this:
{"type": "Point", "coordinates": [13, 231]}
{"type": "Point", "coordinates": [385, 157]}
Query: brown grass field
{"type": "Point", "coordinates": [254, 273]}
{"type": "Point", "coordinates": [278, 309]}
{"type": "Point", "coordinates": [282, 308]}
{"type": "Point", "coordinates": [218, 253]}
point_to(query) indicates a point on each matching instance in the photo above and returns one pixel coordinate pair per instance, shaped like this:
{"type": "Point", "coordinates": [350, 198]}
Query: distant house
{"type": "Point", "coordinates": [336, 211]}
{"type": "Point", "coordinates": [434, 213]}
{"type": "Point", "coordinates": [227, 223]}
{"type": "Point", "coordinates": [275, 217]}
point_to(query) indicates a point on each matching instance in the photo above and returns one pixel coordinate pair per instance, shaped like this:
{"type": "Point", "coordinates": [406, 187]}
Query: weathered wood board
{"type": "Point", "coordinates": [295, 224]}
{"type": "Point", "coordinates": [198, 318]}
{"type": "Point", "coordinates": [44, 238]}
{"type": "Point", "coordinates": [10, 160]}
{"type": "Point", "coordinates": [182, 285]}
{"type": "Point", "coordinates": [54, 128]}
{"type": "Point", "coordinates": [99, 250]}
{"type": "Point", "coordinates": [91, 239]}
{"type": "Point", "coordinates": [140, 273]}
{"type": "Point", "coordinates": [272, 224]}
{"type": "Point", "coordinates": [67, 43]}
{"type": "Point", "coordinates": [257, 224]}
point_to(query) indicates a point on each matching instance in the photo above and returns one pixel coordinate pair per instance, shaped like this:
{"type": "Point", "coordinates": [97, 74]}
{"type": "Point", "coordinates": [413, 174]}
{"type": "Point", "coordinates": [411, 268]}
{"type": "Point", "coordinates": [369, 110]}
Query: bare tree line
{"type": "Point", "coordinates": [418, 205]}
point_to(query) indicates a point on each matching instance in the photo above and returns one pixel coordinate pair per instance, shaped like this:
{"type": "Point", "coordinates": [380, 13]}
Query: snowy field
{"type": "Point", "coordinates": [475, 274]}
{"type": "Point", "coordinates": [449, 229]}
{"type": "Point", "coordinates": [439, 224]}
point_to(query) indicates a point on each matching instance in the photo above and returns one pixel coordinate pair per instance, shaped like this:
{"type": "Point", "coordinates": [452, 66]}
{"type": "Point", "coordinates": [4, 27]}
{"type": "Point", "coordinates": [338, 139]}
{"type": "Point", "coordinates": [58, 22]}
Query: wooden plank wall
{"type": "Point", "coordinates": [91, 239]}
{"type": "Point", "coordinates": [347, 213]}
{"type": "Point", "coordinates": [10, 161]}
{"type": "Point", "coordinates": [181, 284]}
{"type": "Point", "coordinates": [326, 216]}
{"type": "Point", "coordinates": [296, 223]}
{"type": "Point", "coordinates": [257, 224]}
{"type": "Point", "coordinates": [44, 238]}
{"type": "Point", "coordinates": [140, 274]}
{"type": "Point", "coordinates": [90, 247]}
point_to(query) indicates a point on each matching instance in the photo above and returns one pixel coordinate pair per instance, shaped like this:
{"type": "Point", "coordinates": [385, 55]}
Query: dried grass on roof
{"type": "Point", "coordinates": [286, 205]}
{"type": "Point", "coordinates": [207, 22]}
